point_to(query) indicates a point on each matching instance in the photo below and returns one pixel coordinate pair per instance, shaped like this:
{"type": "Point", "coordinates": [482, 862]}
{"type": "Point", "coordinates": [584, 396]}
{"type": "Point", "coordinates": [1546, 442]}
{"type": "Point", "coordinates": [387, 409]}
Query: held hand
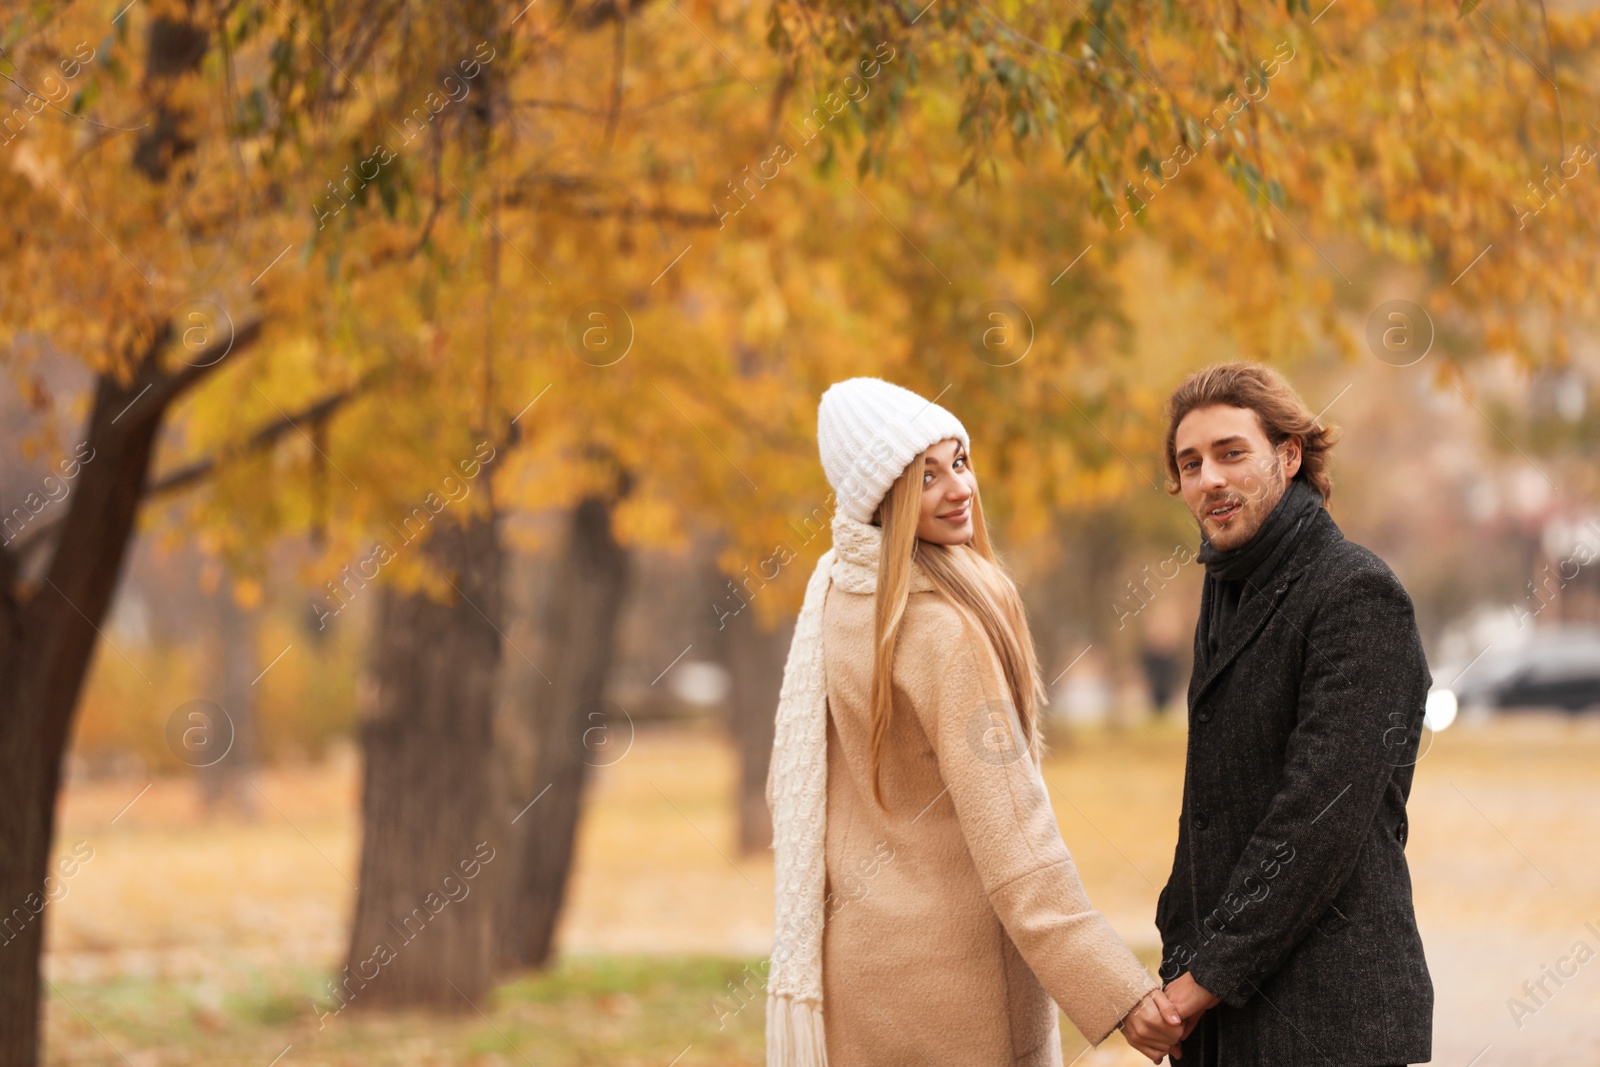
{"type": "Point", "coordinates": [1176, 1051]}
{"type": "Point", "coordinates": [1153, 1027]}
{"type": "Point", "coordinates": [1189, 996]}
{"type": "Point", "coordinates": [1191, 1000]}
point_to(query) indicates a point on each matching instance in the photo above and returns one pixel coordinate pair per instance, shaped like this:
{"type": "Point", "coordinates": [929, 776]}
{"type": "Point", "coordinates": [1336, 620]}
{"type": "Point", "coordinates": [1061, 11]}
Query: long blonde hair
{"type": "Point", "coordinates": [969, 577]}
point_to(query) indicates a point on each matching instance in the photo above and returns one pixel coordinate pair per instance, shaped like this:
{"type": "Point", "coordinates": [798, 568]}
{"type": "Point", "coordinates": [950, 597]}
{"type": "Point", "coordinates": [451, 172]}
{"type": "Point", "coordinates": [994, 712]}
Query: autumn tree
{"type": "Point", "coordinates": [295, 256]}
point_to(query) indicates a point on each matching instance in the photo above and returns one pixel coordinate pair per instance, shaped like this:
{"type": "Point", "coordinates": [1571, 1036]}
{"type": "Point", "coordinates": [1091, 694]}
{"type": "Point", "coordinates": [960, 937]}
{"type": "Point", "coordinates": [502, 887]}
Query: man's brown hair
{"type": "Point", "coordinates": [1282, 414]}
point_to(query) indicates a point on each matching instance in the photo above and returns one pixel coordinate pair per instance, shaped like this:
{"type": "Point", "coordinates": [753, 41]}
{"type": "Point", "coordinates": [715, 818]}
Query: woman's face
{"type": "Point", "coordinates": [948, 486]}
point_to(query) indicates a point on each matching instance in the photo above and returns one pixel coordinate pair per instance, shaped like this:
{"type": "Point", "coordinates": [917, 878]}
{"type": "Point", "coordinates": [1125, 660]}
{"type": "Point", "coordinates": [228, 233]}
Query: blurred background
{"type": "Point", "coordinates": [408, 476]}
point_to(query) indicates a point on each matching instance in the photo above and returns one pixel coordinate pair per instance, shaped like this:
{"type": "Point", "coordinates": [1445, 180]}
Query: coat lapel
{"type": "Point", "coordinates": [1263, 603]}
{"type": "Point", "coordinates": [1253, 615]}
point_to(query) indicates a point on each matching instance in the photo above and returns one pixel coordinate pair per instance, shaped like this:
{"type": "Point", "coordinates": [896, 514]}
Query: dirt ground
{"type": "Point", "coordinates": [188, 940]}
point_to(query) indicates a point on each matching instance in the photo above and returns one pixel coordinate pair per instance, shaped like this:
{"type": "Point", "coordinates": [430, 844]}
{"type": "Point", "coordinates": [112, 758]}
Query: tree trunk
{"type": "Point", "coordinates": [575, 728]}
{"type": "Point", "coordinates": [49, 631]}
{"type": "Point", "coordinates": [755, 659]}
{"type": "Point", "coordinates": [226, 781]}
{"type": "Point", "coordinates": [424, 905]}
{"type": "Point", "coordinates": [48, 634]}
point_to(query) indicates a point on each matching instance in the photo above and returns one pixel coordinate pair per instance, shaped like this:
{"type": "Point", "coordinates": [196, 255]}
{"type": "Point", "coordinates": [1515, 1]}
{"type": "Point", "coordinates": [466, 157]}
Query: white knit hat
{"type": "Point", "coordinates": [868, 430]}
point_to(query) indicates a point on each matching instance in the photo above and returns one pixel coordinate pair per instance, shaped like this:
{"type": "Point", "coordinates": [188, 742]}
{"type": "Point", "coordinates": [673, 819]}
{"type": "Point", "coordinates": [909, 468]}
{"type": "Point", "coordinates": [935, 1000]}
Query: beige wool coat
{"type": "Point", "coordinates": [955, 917]}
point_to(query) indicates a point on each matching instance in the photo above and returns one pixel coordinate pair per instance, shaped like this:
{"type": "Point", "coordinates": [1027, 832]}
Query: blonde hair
{"type": "Point", "coordinates": [969, 577]}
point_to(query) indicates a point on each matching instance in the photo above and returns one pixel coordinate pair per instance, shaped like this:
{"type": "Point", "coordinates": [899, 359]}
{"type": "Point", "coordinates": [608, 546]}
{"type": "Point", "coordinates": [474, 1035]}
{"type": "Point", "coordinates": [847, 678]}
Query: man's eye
{"type": "Point", "coordinates": [1235, 452]}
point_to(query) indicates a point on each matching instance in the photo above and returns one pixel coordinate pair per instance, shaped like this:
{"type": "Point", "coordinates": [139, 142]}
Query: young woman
{"type": "Point", "coordinates": [923, 887]}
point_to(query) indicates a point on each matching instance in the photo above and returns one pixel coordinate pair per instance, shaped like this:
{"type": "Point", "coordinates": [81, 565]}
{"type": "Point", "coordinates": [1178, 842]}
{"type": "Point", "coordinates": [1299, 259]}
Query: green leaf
{"type": "Point", "coordinates": [84, 98]}
{"type": "Point", "coordinates": [1105, 187]}
{"type": "Point", "coordinates": [829, 160]}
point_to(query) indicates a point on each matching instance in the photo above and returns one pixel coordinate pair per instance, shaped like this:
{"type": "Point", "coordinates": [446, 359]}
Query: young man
{"type": "Point", "coordinates": [1287, 925]}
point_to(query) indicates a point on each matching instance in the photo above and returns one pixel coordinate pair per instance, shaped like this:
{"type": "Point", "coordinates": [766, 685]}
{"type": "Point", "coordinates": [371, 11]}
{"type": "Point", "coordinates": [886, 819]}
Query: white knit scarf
{"type": "Point", "coordinates": [797, 792]}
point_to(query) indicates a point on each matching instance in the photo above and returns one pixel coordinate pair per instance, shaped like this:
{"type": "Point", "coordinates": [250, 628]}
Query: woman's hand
{"type": "Point", "coordinates": [1153, 1027]}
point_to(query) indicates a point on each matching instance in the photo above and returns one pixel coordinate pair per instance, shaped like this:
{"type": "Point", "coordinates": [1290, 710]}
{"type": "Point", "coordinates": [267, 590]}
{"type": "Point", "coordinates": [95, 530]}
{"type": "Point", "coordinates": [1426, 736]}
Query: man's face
{"type": "Point", "coordinates": [1230, 475]}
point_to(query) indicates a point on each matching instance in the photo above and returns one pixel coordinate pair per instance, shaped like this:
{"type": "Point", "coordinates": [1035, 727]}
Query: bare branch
{"type": "Point", "coordinates": [81, 118]}
{"type": "Point", "coordinates": [311, 415]}
{"type": "Point", "coordinates": [619, 64]}
{"type": "Point", "coordinates": [650, 105]}
{"type": "Point", "coordinates": [169, 387]}
{"type": "Point", "coordinates": [14, 553]}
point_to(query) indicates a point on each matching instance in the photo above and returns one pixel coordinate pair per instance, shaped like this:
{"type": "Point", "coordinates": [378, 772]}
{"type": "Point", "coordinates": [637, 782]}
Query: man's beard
{"type": "Point", "coordinates": [1249, 517]}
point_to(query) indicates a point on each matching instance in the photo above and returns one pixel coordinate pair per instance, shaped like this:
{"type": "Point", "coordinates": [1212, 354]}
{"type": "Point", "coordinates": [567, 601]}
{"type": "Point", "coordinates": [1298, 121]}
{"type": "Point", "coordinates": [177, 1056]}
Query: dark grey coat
{"type": "Point", "coordinates": [1290, 897]}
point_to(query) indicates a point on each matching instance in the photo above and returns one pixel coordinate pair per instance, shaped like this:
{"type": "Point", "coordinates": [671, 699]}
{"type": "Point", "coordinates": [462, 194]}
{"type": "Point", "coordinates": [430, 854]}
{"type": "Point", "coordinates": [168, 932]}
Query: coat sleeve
{"type": "Point", "coordinates": [1001, 803]}
{"type": "Point", "coordinates": [1359, 714]}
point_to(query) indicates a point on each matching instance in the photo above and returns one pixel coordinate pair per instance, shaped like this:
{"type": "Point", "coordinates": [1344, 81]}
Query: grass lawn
{"type": "Point", "coordinates": [627, 1011]}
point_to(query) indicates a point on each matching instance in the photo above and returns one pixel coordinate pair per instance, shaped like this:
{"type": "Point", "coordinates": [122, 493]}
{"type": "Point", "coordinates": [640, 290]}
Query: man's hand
{"type": "Point", "coordinates": [1192, 1000]}
{"type": "Point", "coordinates": [1189, 996]}
{"type": "Point", "coordinates": [1153, 1026]}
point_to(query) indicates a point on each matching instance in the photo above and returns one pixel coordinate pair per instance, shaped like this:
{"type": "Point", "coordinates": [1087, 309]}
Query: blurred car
{"type": "Point", "coordinates": [1554, 667]}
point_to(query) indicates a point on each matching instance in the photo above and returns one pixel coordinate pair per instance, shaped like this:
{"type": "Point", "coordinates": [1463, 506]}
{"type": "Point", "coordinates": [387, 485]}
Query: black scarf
{"type": "Point", "coordinates": [1235, 573]}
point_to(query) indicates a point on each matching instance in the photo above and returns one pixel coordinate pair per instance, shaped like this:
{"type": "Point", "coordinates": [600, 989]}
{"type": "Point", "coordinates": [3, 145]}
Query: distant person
{"type": "Point", "coordinates": [927, 909]}
{"type": "Point", "coordinates": [1160, 665]}
{"type": "Point", "coordinates": [1287, 924]}
{"type": "Point", "coordinates": [1162, 630]}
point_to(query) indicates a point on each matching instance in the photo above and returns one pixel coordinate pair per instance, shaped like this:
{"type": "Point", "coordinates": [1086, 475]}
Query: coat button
{"type": "Point", "coordinates": [1205, 714]}
{"type": "Point", "coordinates": [1200, 820]}
{"type": "Point", "coordinates": [1400, 832]}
